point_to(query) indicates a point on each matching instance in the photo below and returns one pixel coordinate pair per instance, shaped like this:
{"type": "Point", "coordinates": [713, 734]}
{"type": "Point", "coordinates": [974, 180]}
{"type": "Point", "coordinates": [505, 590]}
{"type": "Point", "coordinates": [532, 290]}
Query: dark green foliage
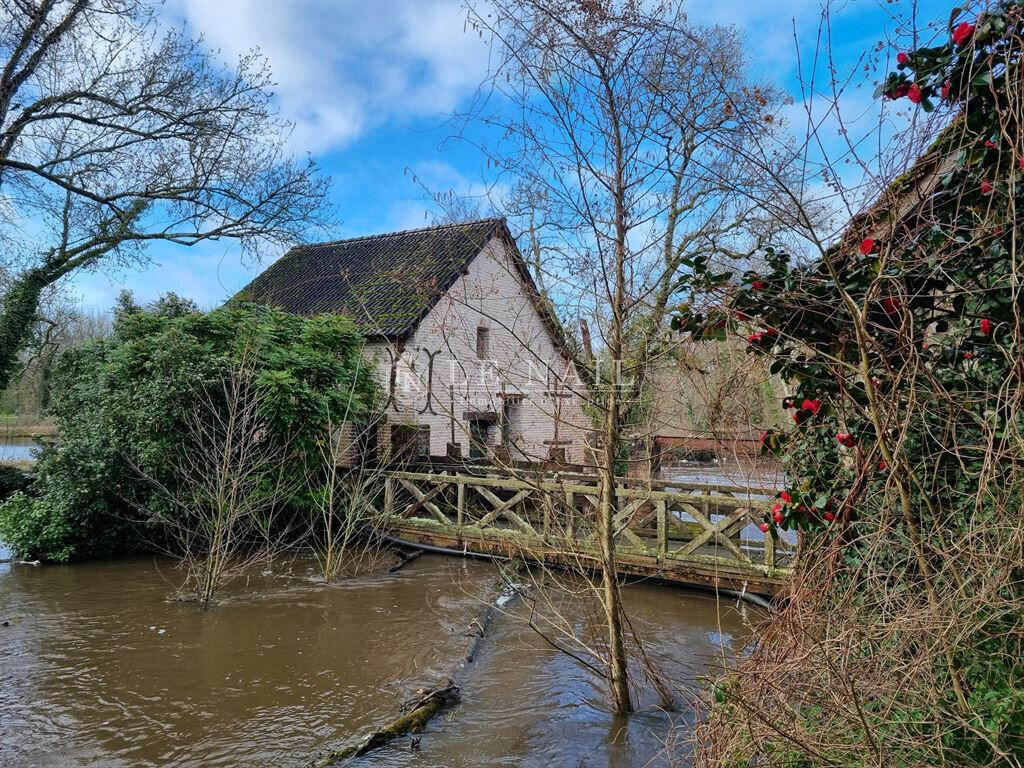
{"type": "Point", "coordinates": [12, 480]}
{"type": "Point", "coordinates": [18, 316]}
{"type": "Point", "coordinates": [121, 402]}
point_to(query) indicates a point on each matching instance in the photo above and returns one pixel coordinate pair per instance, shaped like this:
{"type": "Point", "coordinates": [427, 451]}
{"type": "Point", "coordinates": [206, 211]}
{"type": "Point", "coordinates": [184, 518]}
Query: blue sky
{"type": "Point", "coordinates": [369, 85]}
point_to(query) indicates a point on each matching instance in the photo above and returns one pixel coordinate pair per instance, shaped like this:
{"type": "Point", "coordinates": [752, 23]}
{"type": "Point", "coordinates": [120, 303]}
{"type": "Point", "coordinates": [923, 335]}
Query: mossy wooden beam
{"type": "Point", "coordinates": [412, 722]}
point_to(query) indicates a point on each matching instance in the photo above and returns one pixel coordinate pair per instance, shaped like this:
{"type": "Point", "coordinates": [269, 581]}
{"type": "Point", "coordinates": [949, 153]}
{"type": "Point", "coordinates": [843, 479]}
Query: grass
{"type": "Point", "coordinates": [21, 425]}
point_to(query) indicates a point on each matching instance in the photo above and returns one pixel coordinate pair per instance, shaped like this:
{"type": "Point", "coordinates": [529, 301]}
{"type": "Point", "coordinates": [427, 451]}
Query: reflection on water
{"type": "Point", "coordinates": [99, 669]}
{"type": "Point", "coordinates": [17, 450]}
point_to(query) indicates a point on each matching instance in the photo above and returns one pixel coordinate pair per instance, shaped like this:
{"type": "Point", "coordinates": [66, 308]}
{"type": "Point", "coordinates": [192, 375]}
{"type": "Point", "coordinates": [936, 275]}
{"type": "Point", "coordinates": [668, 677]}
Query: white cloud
{"type": "Point", "coordinates": [344, 67]}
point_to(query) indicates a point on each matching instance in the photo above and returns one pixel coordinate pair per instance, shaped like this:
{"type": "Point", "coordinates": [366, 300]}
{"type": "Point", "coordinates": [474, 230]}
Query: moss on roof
{"type": "Point", "coordinates": [385, 283]}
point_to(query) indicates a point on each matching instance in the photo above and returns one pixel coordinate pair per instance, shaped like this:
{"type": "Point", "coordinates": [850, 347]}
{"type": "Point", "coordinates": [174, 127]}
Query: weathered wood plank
{"type": "Point", "coordinates": [499, 507]}
{"type": "Point", "coordinates": [460, 505]}
{"type": "Point", "coordinates": [662, 523]}
{"type": "Point", "coordinates": [423, 499]}
{"type": "Point", "coordinates": [715, 531]}
{"type": "Point", "coordinates": [389, 496]}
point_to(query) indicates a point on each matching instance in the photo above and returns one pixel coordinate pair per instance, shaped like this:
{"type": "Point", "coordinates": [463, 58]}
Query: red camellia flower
{"type": "Point", "coordinates": [867, 245]}
{"type": "Point", "coordinates": [882, 465]}
{"type": "Point", "coordinates": [776, 508]}
{"type": "Point", "coordinates": [757, 285]}
{"type": "Point", "coordinates": [901, 90]}
{"type": "Point", "coordinates": [914, 93]}
{"type": "Point", "coordinates": [945, 90]}
{"type": "Point", "coordinates": [963, 32]}
{"type": "Point", "coordinates": [891, 305]}
{"type": "Point", "coordinates": [968, 355]}
{"type": "Point", "coordinates": [846, 439]}
{"type": "Point", "coordinates": [764, 527]}
{"type": "Point", "coordinates": [985, 326]}
{"type": "Point", "coordinates": [784, 495]}
{"type": "Point", "coordinates": [986, 187]}
{"type": "Point", "coordinates": [990, 144]}
{"type": "Point", "coordinates": [777, 517]}
{"type": "Point", "coordinates": [830, 516]}
{"type": "Point", "coordinates": [811, 405]}
{"type": "Point", "coordinates": [754, 338]}
{"type": "Point", "coordinates": [902, 58]}
{"type": "Point", "coordinates": [1021, 163]}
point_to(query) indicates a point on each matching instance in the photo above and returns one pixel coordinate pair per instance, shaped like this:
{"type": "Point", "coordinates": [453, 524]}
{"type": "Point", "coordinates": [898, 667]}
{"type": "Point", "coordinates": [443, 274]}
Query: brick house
{"type": "Point", "coordinates": [471, 357]}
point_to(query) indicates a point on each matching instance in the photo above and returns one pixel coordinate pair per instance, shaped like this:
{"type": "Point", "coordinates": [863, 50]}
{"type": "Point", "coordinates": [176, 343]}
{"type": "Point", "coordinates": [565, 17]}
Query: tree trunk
{"type": "Point", "coordinates": [617, 661]}
{"type": "Point", "coordinates": [617, 668]}
{"type": "Point", "coordinates": [20, 308]}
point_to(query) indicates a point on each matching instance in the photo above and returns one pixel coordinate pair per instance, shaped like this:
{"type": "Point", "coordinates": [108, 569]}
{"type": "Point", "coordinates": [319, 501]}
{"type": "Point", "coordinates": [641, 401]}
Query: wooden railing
{"type": "Point", "coordinates": [702, 530]}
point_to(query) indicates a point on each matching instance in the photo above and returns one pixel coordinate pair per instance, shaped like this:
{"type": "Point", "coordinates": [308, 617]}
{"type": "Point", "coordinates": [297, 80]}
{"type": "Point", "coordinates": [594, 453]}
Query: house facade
{"type": "Point", "coordinates": [470, 356]}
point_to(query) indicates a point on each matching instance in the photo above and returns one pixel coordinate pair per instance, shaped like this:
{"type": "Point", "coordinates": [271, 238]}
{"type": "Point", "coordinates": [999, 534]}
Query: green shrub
{"type": "Point", "coordinates": [121, 403]}
{"type": "Point", "coordinates": [13, 479]}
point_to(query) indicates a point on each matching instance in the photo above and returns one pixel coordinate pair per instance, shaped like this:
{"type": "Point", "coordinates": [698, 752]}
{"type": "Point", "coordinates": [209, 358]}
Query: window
{"type": "Point", "coordinates": [410, 441]}
{"type": "Point", "coordinates": [423, 441]}
{"type": "Point", "coordinates": [483, 343]}
{"type": "Point", "coordinates": [478, 434]}
{"type": "Point", "coordinates": [510, 416]}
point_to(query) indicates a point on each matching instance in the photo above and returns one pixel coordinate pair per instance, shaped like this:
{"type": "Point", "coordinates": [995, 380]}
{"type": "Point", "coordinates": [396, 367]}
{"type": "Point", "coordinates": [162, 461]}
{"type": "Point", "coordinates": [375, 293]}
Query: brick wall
{"type": "Point", "coordinates": [522, 365]}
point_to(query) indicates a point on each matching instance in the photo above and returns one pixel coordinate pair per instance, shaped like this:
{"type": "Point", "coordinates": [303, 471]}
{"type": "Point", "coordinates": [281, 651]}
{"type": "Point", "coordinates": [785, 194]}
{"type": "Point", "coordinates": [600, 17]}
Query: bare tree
{"type": "Point", "coordinates": [228, 486]}
{"type": "Point", "coordinates": [347, 489]}
{"type": "Point", "coordinates": [115, 134]}
{"type": "Point", "coordinates": [619, 123]}
{"type": "Point", "coordinates": [61, 325]}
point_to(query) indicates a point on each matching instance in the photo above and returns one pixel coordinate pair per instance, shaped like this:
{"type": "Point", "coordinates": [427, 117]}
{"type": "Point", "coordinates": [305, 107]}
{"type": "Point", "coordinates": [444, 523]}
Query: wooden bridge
{"type": "Point", "coordinates": [703, 535]}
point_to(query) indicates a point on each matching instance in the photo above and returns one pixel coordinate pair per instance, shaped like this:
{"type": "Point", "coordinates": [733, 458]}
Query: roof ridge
{"type": "Point", "coordinates": [400, 232]}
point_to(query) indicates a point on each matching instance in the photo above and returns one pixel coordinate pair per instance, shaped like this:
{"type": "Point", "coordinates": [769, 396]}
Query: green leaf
{"type": "Point", "coordinates": [954, 14]}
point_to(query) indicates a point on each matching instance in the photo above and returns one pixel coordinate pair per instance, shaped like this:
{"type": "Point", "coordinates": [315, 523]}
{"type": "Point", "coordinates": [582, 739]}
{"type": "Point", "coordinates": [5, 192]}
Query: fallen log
{"type": "Point", "coordinates": [407, 557]}
{"type": "Point", "coordinates": [412, 722]}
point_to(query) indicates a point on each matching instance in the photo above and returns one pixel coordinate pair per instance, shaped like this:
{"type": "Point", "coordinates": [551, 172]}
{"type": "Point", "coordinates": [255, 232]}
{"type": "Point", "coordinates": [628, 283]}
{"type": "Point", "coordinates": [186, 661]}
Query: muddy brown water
{"type": "Point", "coordinates": [99, 668]}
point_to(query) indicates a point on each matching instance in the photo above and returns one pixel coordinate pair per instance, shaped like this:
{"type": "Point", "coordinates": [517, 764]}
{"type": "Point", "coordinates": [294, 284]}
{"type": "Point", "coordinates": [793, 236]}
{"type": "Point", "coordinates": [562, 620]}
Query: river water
{"type": "Point", "coordinates": [18, 450]}
{"type": "Point", "coordinates": [99, 668]}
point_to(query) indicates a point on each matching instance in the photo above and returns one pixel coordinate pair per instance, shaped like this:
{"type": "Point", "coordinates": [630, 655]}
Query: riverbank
{"type": "Point", "coordinates": [15, 427]}
{"type": "Point", "coordinates": [100, 668]}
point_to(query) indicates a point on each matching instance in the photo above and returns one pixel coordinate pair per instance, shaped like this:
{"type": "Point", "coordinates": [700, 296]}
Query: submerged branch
{"type": "Point", "coordinates": [412, 722]}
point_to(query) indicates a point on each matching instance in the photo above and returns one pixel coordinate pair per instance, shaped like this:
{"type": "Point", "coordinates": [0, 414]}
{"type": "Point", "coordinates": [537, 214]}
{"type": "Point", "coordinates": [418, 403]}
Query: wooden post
{"type": "Point", "coordinates": [662, 507]}
{"type": "Point", "coordinates": [389, 496]}
{"type": "Point", "coordinates": [460, 505]}
{"type": "Point", "coordinates": [548, 507]}
{"type": "Point", "coordinates": [570, 504]}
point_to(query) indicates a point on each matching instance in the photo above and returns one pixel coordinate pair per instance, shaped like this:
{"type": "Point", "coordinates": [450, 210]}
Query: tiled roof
{"type": "Point", "coordinates": [385, 283]}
